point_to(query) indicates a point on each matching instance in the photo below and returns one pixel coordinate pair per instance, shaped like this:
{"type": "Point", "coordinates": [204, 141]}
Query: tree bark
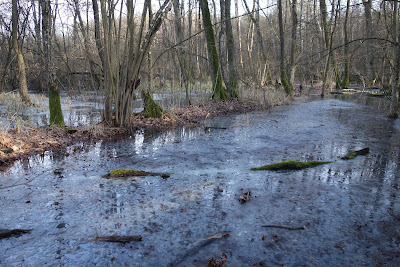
{"type": "Point", "coordinates": [179, 50]}
{"type": "Point", "coordinates": [230, 45]}
{"type": "Point", "coordinates": [23, 87]}
{"type": "Point", "coordinates": [394, 105]}
{"type": "Point", "coordinates": [286, 84]}
{"type": "Point", "coordinates": [368, 29]}
{"type": "Point", "coordinates": [56, 116]}
{"type": "Point", "coordinates": [346, 78]}
{"type": "Point", "coordinates": [292, 63]}
{"type": "Point", "coordinates": [219, 92]}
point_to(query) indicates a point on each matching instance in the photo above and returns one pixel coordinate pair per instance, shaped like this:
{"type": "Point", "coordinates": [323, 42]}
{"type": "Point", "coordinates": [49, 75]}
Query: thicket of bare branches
{"type": "Point", "coordinates": [360, 32]}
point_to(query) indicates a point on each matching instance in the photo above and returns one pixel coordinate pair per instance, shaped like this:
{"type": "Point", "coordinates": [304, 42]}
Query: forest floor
{"type": "Point", "coordinates": [22, 142]}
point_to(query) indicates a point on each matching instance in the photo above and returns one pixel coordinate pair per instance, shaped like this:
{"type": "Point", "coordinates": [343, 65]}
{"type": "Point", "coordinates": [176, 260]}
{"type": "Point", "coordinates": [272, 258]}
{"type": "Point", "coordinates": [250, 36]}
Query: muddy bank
{"type": "Point", "coordinates": [345, 213]}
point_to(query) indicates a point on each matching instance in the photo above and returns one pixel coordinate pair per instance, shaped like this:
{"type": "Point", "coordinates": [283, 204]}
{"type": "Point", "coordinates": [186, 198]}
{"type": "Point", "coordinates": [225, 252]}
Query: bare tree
{"type": "Point", "coordinates": [56, 116]}
{"type": "Point", "coordinates": [23, 87]}
{"type": "Point", "coordinates": [286, 84]}
{"type": "Point", "coordinates": [120, 86]}
{"type": "Point", "coordinates": [179, 51]}
{"type": "Point", "coordinates": [219, 91]}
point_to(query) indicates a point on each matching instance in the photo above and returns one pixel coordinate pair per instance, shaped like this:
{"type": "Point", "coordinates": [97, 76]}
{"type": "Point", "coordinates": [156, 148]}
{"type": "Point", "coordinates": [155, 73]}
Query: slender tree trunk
{"type": "Point", "coordinates": [394, 105]}
{"type": "Point", "coordinates": [267, 76]}
{"type": "Point", "coordinates": [179, 50]}
{"type": "Point", "coordinates": [219, 92]}
{"type": "Point", "coordinates": [97, 35]}
{"type": "Point", "coordinates": [23, 87]}
{"type": "Point", "coordinates": [327, 39]}
{"type": "Point", "coordinates": [56, 116]}
{"type": "Point", "coordinates": [86, 43]}
{"type": "Point", "coordinates": [286, 84]}
{"type": "Point", "coordinates": [292, 63]}
{"type": "Point", "coordinates": [368, 29]}
{"type": "Point", "coordinates": [346, 78]}
{"type": "Point", "coordinates": [7, 65]}
{"type": "Point", "coordinates": [239, 32]}
{"type": "Point", "coordinates": [230, 45]}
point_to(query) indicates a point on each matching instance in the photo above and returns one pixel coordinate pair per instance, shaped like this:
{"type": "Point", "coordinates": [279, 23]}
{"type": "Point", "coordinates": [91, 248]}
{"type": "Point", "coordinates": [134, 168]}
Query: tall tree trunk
{"type": "Point", "coordinates": [232, 84]}
{"type": "Point", "coordinates": [327, 38]}
{"type": "Point", "coordinates": [86, 43]}
{"type": "Point", "coordinates": [286, 84]}
{"type": "Point", "coordinates": [23, 87]}
{"type": "Point", "coordinates": [239, 32]}
{"type": "Point", "coordinates": [179, 50]}
{"type": "Point", "coordinates": [394, 105]}
{"type": "Point", "coordinates": [346, 78]}
{"type": "Point", "coordinates": [292, 63]}
{"type": "Point", "coordinates": [219, 92]}
{"type": "Point", "coordinates": [56, 116]}
{"type": "Point", "coordinates": [97, 35]}
{"type": "Point", "coordinates": [368, 29]}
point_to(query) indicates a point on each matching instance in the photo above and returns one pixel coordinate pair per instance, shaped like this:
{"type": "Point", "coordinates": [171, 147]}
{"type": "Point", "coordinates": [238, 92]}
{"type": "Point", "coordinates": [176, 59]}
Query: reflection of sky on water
{"type": "Point", "coordinates": [353, 204]}
{"type": "Point", "coordinates": [83, 109]}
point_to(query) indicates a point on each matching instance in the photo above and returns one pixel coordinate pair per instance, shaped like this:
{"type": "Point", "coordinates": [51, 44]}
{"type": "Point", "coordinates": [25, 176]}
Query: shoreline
{"type": "Point", "coordinates": [26, 142]}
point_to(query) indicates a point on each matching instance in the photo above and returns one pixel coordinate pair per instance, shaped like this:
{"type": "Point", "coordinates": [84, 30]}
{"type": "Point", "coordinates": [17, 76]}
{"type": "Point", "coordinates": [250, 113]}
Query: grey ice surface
{"type": "Point", "coordinates": [351, 208]}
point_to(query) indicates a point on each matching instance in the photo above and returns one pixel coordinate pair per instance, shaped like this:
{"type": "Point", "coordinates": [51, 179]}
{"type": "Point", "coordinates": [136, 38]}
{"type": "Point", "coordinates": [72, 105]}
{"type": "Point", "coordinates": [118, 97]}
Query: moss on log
{"type": "Point", "coordinates": [355, 153]}
{"type": "Point", "coordinates": [120, 173]}
{"type": "Point", "coordinates": [290, 165]}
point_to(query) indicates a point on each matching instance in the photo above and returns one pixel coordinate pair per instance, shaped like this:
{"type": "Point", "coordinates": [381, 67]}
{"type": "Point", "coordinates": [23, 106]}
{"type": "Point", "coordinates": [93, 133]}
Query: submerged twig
{"type": "Point", "coordinates": [286, 227]}
{"type": "Point", "coordinates": [24, 183]}
{"type": "Point", "coordinates": [198, 245]}
{"type": "Point", "coordinates": [118, 238]}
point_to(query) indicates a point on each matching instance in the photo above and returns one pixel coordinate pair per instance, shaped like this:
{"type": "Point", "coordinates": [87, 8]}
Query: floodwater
{"type": "Point", "coordinates": [83, 109]}
{"type": "Point", "coordinates": [351, 209]}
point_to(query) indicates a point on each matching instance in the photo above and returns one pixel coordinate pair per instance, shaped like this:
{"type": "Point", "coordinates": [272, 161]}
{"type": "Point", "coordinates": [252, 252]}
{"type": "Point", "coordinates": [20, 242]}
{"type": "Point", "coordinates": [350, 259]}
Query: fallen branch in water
{"type": "Point", "coordinates": [24, 183]}
{"type": "Point", "coordinates": [121, 173]}
{"type": "Point", "coordinates": [5, 233]}
{"type": "Point", "coordinates": [118, 238]}
{"type": "Point", "coordinates": [286, 227]}
{"type": "Point", "coordinates": [197, 246]}
{"type": "Point", "coordinates": [355, 153]}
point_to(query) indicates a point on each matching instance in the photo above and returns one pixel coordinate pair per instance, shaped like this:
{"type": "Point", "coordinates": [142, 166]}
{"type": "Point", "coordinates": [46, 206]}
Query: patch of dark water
{"type": "Point", "coordinates": [351, 208]}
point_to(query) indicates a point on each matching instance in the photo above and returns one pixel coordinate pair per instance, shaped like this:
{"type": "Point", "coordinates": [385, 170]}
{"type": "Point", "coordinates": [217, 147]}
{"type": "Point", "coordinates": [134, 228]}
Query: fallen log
{"type": "Point", "coordinates": [5, 233]}
{"type": "Point", "coordinates": [290, 165]}
{"type": "Point", "coordinates": [355, 153]}
{"type": "Point", "coordinates": [120, 173]}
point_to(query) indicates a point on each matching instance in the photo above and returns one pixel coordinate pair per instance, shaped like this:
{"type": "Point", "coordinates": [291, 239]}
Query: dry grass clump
{"type": "Point", "coordinates": [95, 130]}
{"type": "Point", "coordinates": [267, 96]}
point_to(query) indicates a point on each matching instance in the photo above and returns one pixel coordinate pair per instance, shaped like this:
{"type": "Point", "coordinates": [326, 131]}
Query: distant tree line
{"type": "Point", "coordinates": [115, 45]}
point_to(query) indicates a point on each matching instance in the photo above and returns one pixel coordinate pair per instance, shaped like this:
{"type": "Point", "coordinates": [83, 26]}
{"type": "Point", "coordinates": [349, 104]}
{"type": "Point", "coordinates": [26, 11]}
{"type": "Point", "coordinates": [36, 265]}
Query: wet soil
{"type": "Point", "coordinates": [346, 213]}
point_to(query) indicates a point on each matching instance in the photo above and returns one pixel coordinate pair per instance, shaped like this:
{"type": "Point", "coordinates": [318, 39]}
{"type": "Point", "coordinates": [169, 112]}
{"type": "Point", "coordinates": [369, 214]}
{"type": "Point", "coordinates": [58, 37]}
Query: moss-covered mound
{"type": "Point", "coordinates": [290, 165]}
{"type": "Point", "coordinates": [355, 153]}
{"type": "Point", "coordinates": [130, 173]}
{"type": "Point", "coordinates": [150, 108]}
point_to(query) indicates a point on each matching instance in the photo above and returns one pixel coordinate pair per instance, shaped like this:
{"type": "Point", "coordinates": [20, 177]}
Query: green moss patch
{"type": "Point", "coordinates": [119, 173]}
{"type": "Point", "coordinates": [290, 165]}
{"type": "Point", "coordinates": [355, 153]}
{"type": "Point", "coordinates": [150, 108]}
